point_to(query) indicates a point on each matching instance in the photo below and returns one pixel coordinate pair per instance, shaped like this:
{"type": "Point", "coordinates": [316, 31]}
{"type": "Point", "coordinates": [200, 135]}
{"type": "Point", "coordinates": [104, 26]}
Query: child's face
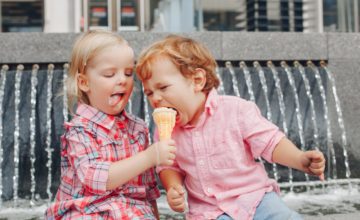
{"type": "Point", "coordinates": [167, 87]}
{"type": "Point", "coordinates": [108, 81]}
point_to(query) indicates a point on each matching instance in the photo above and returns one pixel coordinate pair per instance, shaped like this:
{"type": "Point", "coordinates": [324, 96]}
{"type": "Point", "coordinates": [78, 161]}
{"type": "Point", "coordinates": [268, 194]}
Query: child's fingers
{"type": "Point", "coordinates": [179, 189]}
{"type": "Point", "coordinates": [317, 165]}
{"type": "Point", "coordinates": [177, 201]}
{"type": "Point", "coordinates": [178, 208]}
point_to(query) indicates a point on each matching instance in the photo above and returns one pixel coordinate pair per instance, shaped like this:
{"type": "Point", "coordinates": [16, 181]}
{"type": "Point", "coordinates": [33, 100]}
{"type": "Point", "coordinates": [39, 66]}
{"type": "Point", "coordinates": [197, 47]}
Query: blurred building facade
{"type": "Point", "coordinates": [179, 15]}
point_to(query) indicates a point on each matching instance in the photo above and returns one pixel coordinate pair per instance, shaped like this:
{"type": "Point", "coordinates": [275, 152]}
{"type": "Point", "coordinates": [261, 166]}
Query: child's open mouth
{"type": "Point", "coordinates": [115, 98]}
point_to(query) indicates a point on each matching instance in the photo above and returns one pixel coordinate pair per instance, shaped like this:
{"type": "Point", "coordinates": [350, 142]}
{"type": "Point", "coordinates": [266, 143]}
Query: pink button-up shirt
{"type": "Point", "coordinates": [217, 158]}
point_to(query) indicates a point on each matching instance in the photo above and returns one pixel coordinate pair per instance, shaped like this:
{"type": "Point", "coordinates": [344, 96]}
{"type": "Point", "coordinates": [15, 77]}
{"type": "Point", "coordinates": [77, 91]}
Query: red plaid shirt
{"type": "Point", "coordinates": [92, 141]}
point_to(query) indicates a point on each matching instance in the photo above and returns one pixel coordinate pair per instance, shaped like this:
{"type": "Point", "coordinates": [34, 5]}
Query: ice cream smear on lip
{"type": "Point", "coordinates": [164, 119]}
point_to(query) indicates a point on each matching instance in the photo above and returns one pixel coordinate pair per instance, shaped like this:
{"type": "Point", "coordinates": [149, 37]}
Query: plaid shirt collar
{"type": "Point", "coordinates": [101, 118]}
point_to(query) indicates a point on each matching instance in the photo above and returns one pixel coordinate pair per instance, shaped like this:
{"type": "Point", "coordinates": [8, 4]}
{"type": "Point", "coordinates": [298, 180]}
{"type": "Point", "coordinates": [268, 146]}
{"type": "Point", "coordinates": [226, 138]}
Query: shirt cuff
{"type": "Point", "coordinates": [268, 152]}
{"type": "Point", "coordinates": [153, 193]}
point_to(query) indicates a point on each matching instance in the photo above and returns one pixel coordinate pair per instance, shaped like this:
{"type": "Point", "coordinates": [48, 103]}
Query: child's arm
{"type": "Point", "coordinates": [173, 184]}
{"type": "Point", "coordinates": [122, 171]}
{"type": "Point", "coordinates": [311, 162]}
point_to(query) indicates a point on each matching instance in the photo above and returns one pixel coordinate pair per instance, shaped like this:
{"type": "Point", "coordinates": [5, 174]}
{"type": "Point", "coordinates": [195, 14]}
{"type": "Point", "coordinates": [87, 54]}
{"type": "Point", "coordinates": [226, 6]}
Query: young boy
{"type": "Point", "coordinates": [217, 139]}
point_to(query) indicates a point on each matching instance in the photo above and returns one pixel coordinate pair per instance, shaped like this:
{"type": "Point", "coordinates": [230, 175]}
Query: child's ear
{"type": "Point", "coordinates": [199, 79]}
{"type": "Point", "coordinates": [82, 82]}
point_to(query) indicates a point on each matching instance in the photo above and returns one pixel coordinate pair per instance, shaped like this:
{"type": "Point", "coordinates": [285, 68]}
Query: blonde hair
{"type": "Point", "coordinates": [85, 48]}
{"type": "Point", "coordinates": [185, 53]}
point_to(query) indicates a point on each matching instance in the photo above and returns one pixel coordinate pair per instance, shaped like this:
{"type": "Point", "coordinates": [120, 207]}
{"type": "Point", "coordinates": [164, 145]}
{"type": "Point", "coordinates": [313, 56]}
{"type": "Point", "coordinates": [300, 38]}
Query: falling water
{"type": "Point", "coordinates": [221, 89]}
{"type": "Point", "coordinates": [268, 109]}
{"type": "Point", "coordinates": [339, 113]}
{"type": "Point", "coordinates": [281, 105]}
{"type": "Point", "coordinates": [147, 114]}
{"type": "Point", "coordinates": [326, 115]}
{"type": "Point", "coordinates": [129, 105]}
{"type": "Point", "coordinates": [48, 128]}
{"type": "Point", "coordinates": [34, 83]}
{"type": "Point", "coordinates": [264, 88]}
{"type": "Point", "coordinates": [4, 70]}
{"type": "Point", "coordinates": [65, 99]}
{"type": "Point", "coordinates": [18, 75]}
{"type": "Point", "coordinates": [248, 80]}
{"type": "Point", "coordinates": [297, 110]}
{"type": "Point", "coordinates": [234, 80]}
{"type": "Point", "coordinates": [311, 100]}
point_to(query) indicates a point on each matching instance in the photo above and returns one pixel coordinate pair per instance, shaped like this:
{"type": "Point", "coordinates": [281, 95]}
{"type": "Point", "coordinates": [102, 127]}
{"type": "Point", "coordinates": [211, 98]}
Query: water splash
{"type": "Point", "coordinates": [48, 148]}
{"type": "Point", "coordinates": [233, 77]}
{"type": "Point", "coordinates": [4, 70]}
{"type": "Point", "coordinates": [34, 83]}
{"type": "Point", "coordinates": [18, 75]}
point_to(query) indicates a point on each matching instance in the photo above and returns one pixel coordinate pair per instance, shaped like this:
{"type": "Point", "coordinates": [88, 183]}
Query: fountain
{"type": "Point", "coordinates": [304, 98]}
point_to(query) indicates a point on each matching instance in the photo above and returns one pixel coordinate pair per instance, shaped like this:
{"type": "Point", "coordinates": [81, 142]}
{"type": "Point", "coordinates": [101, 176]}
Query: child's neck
{"type": "Point", "coordinates": [200, 109]}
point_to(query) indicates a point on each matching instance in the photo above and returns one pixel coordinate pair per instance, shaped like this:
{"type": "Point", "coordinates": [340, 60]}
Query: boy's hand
{"type": "Point", "coordinates": [163, 152]}
{"type": "Point", "coordinates": [176, 198]}
{"type": "Point", "coordinates": [313, 163]}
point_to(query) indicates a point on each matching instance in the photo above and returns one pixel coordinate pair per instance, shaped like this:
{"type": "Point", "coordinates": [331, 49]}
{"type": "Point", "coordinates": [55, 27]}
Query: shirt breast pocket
{"type": "Point", "coordinates": [223, 153]}
{"type": "Point", "coordinates": [114, 150]}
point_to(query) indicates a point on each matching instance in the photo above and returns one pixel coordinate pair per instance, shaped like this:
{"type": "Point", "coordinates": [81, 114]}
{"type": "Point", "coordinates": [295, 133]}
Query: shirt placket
{"type": "Point", "coordinates": [201, 162]}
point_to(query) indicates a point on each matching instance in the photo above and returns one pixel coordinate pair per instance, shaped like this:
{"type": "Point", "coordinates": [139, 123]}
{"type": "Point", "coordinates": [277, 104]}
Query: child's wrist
{"type": "Point", "coordinates": [151, 155]}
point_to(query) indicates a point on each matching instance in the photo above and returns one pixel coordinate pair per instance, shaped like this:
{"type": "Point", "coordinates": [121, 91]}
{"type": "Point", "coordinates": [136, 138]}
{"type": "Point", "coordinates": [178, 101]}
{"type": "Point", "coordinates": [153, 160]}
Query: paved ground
{"type": "Point", "coordinates": [20, 215]}
{"type": "Point", "coordinates": [321, 204]}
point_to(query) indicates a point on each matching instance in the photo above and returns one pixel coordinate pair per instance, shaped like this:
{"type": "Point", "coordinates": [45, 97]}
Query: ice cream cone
{"type": "Point", "coordinates": [165, 121]}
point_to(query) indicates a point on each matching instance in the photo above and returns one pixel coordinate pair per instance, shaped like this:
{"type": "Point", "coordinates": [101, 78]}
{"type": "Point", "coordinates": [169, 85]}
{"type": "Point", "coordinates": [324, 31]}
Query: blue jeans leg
{"type": "Point", "coordinates": [224, 216]}
{"type": "Point", "coordinates": [272, 207]}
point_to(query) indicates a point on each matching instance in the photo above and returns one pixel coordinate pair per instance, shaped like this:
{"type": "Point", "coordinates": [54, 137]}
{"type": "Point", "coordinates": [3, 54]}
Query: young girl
{"type": "Point", "coordinates": [106, 165]}
{"type": "Point", "coordinates": [217, 139]}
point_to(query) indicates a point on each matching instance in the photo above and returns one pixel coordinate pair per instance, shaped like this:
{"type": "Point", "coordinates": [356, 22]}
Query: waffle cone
{"type": "Point", "coordinates": [164, 119]}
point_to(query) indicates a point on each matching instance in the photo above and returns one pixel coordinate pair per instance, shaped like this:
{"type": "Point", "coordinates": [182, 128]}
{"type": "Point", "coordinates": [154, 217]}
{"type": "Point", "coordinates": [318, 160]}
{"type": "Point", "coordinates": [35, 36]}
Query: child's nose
{"type": "Point", "coordinates": [121, 78]}
{"type": "Point", "coordinates": [156, 99]}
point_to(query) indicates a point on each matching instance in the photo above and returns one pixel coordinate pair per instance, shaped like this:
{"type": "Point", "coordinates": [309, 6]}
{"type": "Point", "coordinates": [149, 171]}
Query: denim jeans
{"type": "Point", "coordinates": [271, 207]}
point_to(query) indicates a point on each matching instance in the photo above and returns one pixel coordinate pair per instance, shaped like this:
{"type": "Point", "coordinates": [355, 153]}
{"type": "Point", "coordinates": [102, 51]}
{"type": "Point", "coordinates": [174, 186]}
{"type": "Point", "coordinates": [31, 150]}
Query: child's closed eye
{"type": "Point", "coordinates": [148, 94]}
{"type": "Point", "coordinates": [129, 72]}
{"type": "Point", "coordinates": [163, 88]}
{"type": "Point", "coordinates": [109, 74]}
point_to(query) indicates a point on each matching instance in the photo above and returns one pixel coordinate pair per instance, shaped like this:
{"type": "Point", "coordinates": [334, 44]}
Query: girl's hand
{"type": "Point", "coordinates": [163, 152]}
{"type": "Point", "coordinates": [313, 162]}
{"type": "Point", "coordinates": [176, 198]}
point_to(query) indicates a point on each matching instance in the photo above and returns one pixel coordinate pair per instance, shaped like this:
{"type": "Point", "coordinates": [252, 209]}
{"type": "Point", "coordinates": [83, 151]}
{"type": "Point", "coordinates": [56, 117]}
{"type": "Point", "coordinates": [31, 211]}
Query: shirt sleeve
{"type": "Point", "coordinates": [84, 156]}
{"type": "Point", "coordinates": [152, 190]}
{"type": "Point", "coordinates": [259, 134]}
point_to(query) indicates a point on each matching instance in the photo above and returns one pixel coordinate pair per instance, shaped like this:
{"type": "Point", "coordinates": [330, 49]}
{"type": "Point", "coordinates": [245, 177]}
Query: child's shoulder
{"type": "Point", "coordinates": [230, 100]}
{"type": "Point", "coordinates": [78, 123]}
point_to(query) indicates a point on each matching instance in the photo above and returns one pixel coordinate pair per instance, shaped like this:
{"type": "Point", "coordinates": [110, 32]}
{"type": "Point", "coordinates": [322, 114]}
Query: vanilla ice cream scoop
{"type": "Point", "coordinates": [165, 121]}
